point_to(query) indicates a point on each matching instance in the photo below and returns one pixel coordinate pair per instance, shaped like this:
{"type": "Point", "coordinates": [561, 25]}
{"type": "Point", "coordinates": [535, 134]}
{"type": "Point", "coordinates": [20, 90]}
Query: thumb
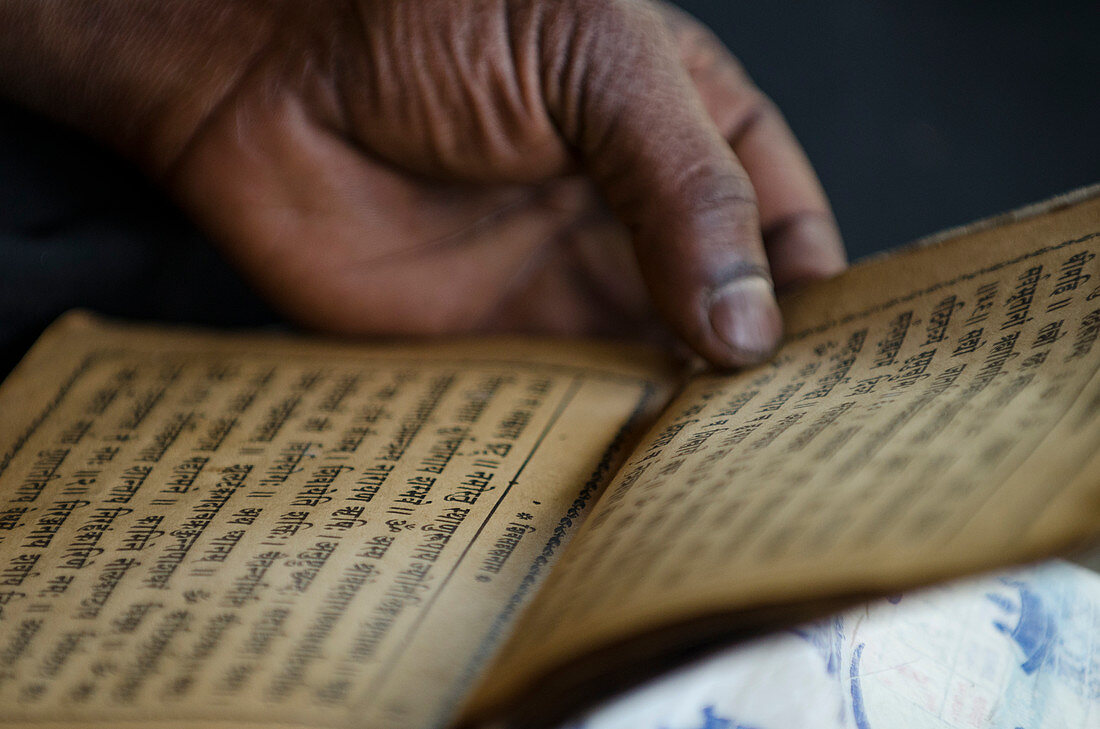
{"type": "Point", "coordinates": [623, 101]}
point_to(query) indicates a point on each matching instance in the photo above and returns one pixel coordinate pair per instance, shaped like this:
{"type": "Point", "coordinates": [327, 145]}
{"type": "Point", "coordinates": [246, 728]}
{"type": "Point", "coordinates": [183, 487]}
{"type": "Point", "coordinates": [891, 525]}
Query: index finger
{"type": "Point", "coordinates": [799, 230]}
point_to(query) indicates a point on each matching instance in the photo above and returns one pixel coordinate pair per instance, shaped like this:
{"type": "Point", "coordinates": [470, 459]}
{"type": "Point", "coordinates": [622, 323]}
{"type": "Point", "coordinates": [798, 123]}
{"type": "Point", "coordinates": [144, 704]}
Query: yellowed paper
{"type": "Point", "coordinates": [201, 530]}
{"type": "Point", "coordinates": [933, 413]}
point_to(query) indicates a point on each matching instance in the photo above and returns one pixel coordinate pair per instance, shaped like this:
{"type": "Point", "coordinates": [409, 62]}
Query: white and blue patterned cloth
{"type": "Point", "coordinates": [1015, 650]}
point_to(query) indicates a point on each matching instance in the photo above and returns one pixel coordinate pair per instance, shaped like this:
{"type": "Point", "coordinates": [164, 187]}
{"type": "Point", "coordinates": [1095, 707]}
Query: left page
{"type": "Point", "coordinates": [235, 530]}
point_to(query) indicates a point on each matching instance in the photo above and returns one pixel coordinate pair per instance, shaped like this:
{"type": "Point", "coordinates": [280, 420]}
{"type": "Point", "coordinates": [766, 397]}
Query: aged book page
{"type": "Point", "coordinates": [222, 530]}
{"type": "Point", "coordinates": [932, 413]}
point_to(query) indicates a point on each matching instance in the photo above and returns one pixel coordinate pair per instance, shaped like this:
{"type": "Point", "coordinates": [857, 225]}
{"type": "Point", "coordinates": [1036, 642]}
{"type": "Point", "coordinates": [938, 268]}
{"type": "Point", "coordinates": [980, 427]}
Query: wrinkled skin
{"type": "Point", "coordinates": [438, 166]}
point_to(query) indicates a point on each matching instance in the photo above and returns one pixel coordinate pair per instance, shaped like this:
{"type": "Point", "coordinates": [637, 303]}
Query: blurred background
{"type": "Point", "coordinates": [917, 115]}
{"type": "Point", "coordinates": [924, 114]}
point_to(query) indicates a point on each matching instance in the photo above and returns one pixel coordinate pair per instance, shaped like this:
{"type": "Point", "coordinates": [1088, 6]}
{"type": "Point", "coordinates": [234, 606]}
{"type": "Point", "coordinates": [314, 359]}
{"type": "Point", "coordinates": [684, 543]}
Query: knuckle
{"type": "Point", "coordinates": [710, 192]}
{"type": "Point", "coordinates": [756, 109]}
{"type": "Point", "coordinates": [718, 210]}
{"type": "Point", "coordinates": [610, 33]}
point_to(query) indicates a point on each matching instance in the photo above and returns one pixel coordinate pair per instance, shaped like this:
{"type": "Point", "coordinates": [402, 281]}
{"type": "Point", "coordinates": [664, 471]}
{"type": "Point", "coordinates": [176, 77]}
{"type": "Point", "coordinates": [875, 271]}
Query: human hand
{"type": "Point", "coordinates": [391, 166]}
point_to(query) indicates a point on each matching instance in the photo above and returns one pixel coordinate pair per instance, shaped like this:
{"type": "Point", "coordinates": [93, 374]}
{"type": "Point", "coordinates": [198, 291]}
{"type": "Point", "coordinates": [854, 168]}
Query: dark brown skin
{"type": "Point", "coordinates": [444, 166]}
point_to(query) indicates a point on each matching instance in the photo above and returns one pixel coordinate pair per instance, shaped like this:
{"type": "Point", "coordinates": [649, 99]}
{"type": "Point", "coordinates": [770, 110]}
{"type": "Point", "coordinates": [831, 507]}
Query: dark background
{"type": "Point", "coordinates": [924, 114]}
{"type": "Point", "coordinates": [917, 115]}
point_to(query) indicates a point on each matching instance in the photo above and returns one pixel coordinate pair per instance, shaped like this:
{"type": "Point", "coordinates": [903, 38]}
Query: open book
{"type": "Point", "coordinates": [236, 530]}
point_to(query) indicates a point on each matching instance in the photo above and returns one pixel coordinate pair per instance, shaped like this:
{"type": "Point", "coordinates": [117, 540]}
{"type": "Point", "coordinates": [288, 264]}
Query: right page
{"type": "Point", "coordinates": [932, 413]}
